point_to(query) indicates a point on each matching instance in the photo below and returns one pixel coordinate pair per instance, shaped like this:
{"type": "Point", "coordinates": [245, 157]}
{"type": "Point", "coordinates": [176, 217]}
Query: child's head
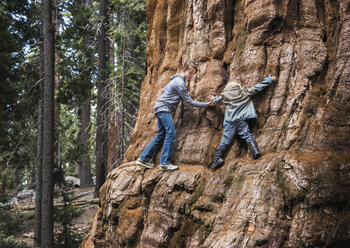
{"type": "Point", "coordinates": [231, 84]}
{"type": "Point", "coordinates": [190, 69]}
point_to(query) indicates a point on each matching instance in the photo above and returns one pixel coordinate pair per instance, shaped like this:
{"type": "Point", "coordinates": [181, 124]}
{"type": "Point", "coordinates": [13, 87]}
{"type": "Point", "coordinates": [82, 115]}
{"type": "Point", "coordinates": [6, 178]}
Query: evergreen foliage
{"type": "Point", "coordinates": [66, 234]}
{"type": "Point", "coordinates": [78, 70]}
{"type": "Point", "coordinates": [10, 222]}
{"type": "Point", "coordinates": [77, 48]}
{"type": "Point", "coordinates": [10, 241]}
{"type": "Point", "coordinates": [18, 96]}
{"type": "Point", "coordinates": [128, 32]}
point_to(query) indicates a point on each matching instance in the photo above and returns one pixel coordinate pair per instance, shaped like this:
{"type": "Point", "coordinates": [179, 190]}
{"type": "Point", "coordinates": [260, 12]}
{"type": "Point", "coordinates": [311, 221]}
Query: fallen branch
{"type": "Point", "coordinates": [59, 205]}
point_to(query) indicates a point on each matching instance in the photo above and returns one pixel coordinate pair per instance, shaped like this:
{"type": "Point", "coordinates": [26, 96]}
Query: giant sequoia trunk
{"type": "Point", "coordinates": [297, 194]}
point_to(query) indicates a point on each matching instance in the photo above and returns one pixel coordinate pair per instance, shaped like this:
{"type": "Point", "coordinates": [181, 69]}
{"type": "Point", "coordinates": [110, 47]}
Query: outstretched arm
{"type": "Point", "coordinates": [188, 100]}
{"type": "Point", "coordinates": [260, 86]}
{"type": "Point", "coordinates": [216, 100]}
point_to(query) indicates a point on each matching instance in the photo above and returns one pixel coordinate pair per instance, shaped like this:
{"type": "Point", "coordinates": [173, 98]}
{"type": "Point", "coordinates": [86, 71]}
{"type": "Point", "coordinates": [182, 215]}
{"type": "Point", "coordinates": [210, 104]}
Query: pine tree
{"type": "Point", "coordinates": [39, 158]}
{"type": "Point", "coordinates": [102, 101]}
{"type": "Point", "coordinates": [85, 162]}
{"type": "Point", "coordinates": [66, 234]}
{"type": "Point", "coordinates": [48, 134]}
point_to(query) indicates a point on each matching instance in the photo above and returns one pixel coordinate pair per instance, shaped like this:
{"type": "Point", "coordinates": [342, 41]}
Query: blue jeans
{"type": "Point", "coordinates": [240, 127]}
{"type": "Point", "coordinates": [166, 137]}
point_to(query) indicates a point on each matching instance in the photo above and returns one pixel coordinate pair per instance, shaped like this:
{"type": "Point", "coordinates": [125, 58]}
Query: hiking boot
{"type": "Point", "coordinates": [216, 164]}
{"type": "Point", "coordinates": [218, 160]}
{"type": "Point", "coordinates": [169, 167]}
{"type": "Point", "coordinates": [148, 165]}
{"type": "Point", "coordinates": [253, 147]}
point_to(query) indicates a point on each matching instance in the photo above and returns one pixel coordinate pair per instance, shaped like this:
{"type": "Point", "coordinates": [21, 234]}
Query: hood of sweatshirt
{"type": "Point", "coordinates": [177, 75]}
{"type": "Point", "coordinates": [233, 93]}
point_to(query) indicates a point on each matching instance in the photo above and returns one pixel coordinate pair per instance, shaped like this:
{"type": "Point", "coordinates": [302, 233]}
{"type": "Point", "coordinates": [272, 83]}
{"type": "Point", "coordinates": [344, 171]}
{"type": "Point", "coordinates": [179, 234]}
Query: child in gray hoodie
{"type": "Point", "coordinates": [165, 105]}
{"type": "Point", "coordinates": [239, 109]}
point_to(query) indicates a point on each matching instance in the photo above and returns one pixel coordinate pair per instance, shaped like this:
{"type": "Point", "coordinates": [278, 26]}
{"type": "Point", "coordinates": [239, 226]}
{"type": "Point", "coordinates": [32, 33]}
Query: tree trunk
{"type": "Point", "coordinates": [38, 186]}
{"type": "Point", "coordinates": [102, 114]}
{"type": "Point", "coordinates": [3, 180]}
{"type": "Point", "coordinates": [57, 111]}
{"type": "Point", "coordinates": [85, 165]}
{"type": "Point", "coordinates": [114, 158]}
{"type": "Point", "coordinates": [39, 152]}
{"type": "Point", "coordinates": [114, 136]}
{"type": "Point", "coordinates": [57, 148]}
{"type": "Point", "coordinates": [48, 134]}
{"type": "Point", "coordinates": [16, 181]}
{"type": "Point", "coordinates": [123, 100]}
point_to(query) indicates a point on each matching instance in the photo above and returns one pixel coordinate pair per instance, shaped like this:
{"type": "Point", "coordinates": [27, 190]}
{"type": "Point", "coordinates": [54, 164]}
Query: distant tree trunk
{"type": "Point", "coordinates": [16, 181]}
{"type": "Point", "coordinates": [39, 148]}
{"type": "Point", "coordinates": [3, 182]}
{"type": "Point", "coordinates": [102, 112]}
{"type": "Point", "coordinates": [57, 110]}
{"type": "Point", "coordinates": [84, 167]}
{"type": "Point", "coordinates": [48, 134]}
{"type": "Point", "coordinates": [114, 153]}
{"type": "Point", "coordinates": [123, 100]}
{"type": "Point", "coordinates": [57, 150]}
{"type": "Point", "coordinates": [114, 158]}
{"type": "Point", "coordinates": [38, 192]}
{"type": "Point", "coordinates": [85, 163]}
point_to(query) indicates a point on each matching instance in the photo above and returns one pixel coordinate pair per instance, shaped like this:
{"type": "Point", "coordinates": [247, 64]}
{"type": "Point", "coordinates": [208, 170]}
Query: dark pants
{"type": "Point", "coordinates": [240, 127]}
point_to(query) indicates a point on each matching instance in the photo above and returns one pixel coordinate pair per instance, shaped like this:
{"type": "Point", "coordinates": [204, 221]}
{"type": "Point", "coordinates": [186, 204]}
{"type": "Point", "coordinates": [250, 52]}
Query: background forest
{"type": "Point", "coordinates": [97, 54]}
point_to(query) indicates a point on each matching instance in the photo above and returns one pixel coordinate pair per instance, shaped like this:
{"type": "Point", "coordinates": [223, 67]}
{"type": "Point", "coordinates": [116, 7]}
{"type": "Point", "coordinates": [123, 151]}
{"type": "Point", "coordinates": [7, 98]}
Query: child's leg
{"type": "Point", "coordinates": [226, 141]}
{"type": "Point", "coordinates": [155, 143]}
{"type": "Point", "coordinates": [244, 132]}
{"type": "Point", "coordinates": [227, 136]}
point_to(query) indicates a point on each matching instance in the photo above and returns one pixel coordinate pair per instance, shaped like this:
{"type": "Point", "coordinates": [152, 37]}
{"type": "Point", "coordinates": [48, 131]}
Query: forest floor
{"type": "Point", "coordinates": [84, 200]}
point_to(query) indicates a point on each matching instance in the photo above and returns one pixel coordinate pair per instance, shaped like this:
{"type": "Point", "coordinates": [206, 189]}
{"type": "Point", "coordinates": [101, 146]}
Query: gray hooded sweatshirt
{"type": "Point", "coordinates": [173, 93]}
{"type": "Point", "coordinates": [239, 105]}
